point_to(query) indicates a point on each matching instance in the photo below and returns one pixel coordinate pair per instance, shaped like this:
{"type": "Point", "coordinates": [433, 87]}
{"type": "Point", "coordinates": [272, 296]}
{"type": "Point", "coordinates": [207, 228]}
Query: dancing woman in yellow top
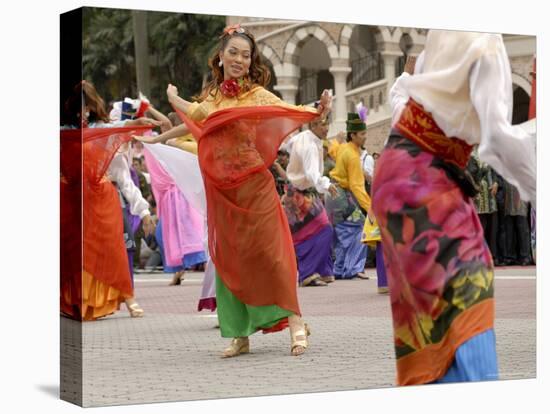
{"type": "Point", "coordinates": [239, 126]}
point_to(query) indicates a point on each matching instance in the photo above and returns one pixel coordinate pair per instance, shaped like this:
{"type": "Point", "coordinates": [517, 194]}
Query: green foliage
{"type": "Point", "coordinates": [108, 52]}
{"type": "Point", "coordinates": [181, 45]}
{"type": "Point", "coordinates": [179, 48]}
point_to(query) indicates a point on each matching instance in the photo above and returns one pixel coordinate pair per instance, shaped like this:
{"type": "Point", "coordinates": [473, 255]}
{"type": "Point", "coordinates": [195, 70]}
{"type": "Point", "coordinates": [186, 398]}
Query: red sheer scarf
{"type": "Point", "coordinates": [91, 217]}
{"type": "Point", "coordinates": [248, 233]}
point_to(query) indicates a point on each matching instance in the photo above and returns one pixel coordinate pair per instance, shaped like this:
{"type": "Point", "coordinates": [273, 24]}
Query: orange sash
{"type": "Point", "coordinates": [419, 126]}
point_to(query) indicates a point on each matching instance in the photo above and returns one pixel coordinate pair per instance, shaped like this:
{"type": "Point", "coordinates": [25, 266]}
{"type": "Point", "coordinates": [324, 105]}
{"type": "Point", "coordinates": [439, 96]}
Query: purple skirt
{"type": "Point", "coordinates": [314, 254]}
{"type": "Point", "coordinates": [380, 267]}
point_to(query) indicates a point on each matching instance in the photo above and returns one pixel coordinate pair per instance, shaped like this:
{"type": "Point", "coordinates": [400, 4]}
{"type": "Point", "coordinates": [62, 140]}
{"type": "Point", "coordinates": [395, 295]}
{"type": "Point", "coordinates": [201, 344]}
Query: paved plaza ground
{"type": "Point", "coordinates": [173, 352]}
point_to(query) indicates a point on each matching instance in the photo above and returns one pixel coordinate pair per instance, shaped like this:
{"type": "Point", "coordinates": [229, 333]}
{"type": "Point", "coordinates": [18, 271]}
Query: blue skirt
{"type": "Point", "coordinates": [475, 360]}
{"type": "Point", "coordinates": [187, 261]}
{"type": "Point", "coordinates": [350, 253]}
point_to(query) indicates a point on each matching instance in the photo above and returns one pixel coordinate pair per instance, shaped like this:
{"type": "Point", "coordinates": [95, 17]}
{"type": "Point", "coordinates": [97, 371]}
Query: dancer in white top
{"type": "Point", "coordinates": [440, 270]}
{"type": "Point", "coordinates": [311, 230]}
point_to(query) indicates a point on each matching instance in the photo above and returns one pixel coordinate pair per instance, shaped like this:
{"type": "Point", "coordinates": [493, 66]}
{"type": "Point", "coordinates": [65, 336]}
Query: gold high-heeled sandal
{"type": "Point", "coordinates": [135, 310]}
{"type": "Point", "coordinates": [299, 340]}
{"type": "Point", "coordinates": [237, 347]}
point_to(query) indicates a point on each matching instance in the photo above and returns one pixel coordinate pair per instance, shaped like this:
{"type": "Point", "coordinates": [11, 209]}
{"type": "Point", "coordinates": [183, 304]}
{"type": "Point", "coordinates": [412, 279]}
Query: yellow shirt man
{"type": "Point", "coordinates": [349, 175]}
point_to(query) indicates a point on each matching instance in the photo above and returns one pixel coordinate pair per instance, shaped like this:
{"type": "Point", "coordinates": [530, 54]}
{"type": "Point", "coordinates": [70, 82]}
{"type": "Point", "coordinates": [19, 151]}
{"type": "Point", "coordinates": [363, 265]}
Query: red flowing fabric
{"type": "Point", "coordinates": [91, 217]}
{"type": "Point", "coordinates": [248, 233]}
{"type": "Point", "coordinates": [533, 101]}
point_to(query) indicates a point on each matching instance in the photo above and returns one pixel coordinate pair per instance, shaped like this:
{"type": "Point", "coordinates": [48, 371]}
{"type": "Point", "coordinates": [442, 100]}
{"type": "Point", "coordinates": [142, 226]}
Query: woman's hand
{"type": "Point", "coordinates": [409, 65]}
{"type": "Point", "coordinates": [171, 91]}
{"type": "Point", "coordinates": [370, 214]}
{"type": "Point", "coordinates": [164, 121]}
{"type": "Point", "coordinates": [325, 103]}
{"type": "Point", "coordinates": [148, 121]}
{"type": "Point", "coordinates": [333, 191]}
{"type": "Point", "coordinates": [147, 140]}
{"type": "Point", "coordinates": [165, 126]}
{"type": "Point", "coordinates": [143, 121]}
{"type": "Point", "coordinates": [173, 142]}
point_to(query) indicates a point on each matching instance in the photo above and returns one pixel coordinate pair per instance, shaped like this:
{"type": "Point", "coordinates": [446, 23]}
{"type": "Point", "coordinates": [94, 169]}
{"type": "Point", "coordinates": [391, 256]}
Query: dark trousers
{"type": "Point", "coordinates": [489, 222]}
{"type": "Point", "coordinates": [138, 237]}
{"type": "Point", "coordinates": [517, 239]}
{"type": "Point", "coordinates": [371, 258]}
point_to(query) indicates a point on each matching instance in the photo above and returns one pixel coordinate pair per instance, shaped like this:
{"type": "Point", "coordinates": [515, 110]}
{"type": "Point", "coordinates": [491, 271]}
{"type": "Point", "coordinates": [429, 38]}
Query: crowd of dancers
{"type": "Point", "coordinates": [266, 208]}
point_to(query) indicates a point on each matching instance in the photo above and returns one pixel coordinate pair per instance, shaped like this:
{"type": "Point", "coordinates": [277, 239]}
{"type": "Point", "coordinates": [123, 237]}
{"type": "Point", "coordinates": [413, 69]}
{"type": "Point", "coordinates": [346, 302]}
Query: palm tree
{"type": "Point", "coordinates": [141, 45]}
{"type": "Point", "coordinates": [179, 46]}
{"type": "Point", "coordinates": [108, 52]}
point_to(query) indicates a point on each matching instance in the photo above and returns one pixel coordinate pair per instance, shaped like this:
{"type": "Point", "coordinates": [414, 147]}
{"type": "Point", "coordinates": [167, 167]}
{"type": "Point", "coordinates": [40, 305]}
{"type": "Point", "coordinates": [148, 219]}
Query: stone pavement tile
{"type": "Point", "coordinates": [177, 358]}
{"type": "Point", "coordinates": [516, 348]}
{"type": "Point", "coordinates": [173, 353]}
{"type": "Point", "coordinates": [71, 354]}
{"type": "Point", "coordinates": [515, 298]}
{"type": "Point", "coordinates": [189, 367]}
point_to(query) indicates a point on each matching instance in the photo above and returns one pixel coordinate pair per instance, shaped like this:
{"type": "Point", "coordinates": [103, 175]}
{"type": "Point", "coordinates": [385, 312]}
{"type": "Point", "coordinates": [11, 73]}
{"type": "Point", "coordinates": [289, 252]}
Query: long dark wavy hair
{"type": "Point", "coordinates": [84, 93]}
{"type": "Point", "coordinates": [258, 73]}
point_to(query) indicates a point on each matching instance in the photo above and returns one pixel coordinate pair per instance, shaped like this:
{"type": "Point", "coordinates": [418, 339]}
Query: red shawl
{"type": "Point", "coordinates": [91, 217]}
{"type": "Point", "coordinates": [248, 233]}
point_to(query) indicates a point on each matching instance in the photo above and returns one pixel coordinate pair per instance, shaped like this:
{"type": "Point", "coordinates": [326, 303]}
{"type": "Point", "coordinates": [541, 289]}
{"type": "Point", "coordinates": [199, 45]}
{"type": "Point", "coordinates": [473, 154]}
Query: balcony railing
{"type": "Point", "coordinates": [367, 69]}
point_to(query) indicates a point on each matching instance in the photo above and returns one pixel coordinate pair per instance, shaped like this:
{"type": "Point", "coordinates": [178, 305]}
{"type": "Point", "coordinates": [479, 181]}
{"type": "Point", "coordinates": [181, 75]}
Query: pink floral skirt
{"type": "Point", "coordinates": [439, 268]}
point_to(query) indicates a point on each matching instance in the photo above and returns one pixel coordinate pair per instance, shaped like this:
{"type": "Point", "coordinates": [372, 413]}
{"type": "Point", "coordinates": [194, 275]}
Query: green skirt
{"type": "Point", "coordinates": [238, 319]}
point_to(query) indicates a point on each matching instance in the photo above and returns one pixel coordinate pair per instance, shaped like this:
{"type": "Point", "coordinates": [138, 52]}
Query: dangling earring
{"type": "Point", "coordinates": [220, 64]}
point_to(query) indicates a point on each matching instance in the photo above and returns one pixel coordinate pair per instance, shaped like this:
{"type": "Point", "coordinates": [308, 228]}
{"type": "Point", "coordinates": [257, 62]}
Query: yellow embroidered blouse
{"type": "Point", "coordinates": [235, 151]}
{"type": "Point", "coordinates": [257, 96]}
{"type": "Point", "coordinates": [186, 143]}
{"type": "Point", "coordinates": [348, 173]}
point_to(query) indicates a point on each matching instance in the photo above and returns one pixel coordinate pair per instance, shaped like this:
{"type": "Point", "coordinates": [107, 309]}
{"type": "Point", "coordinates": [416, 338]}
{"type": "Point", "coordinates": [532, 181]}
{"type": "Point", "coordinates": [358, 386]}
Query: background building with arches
{"type": "Point", "coordinates": [359, 63]}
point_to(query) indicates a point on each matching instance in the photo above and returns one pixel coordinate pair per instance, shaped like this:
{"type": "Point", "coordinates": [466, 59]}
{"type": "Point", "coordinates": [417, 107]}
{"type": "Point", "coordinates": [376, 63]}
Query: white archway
{"type": "Point", "coordinates": [292, 45]}
{"type": "Point", "coordinates": [343, 42]}
{"type": "Point", "coordinates": [522, 83]}
{"type": "Point", "coordinates": [269, 54]}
